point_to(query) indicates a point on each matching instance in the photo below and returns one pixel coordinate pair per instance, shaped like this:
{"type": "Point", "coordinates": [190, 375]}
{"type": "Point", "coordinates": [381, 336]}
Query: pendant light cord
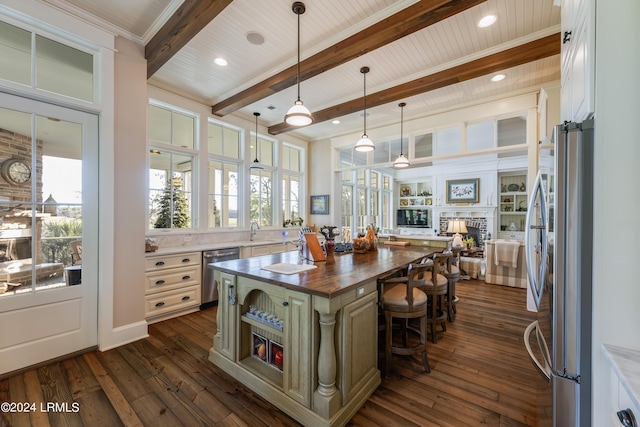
{"type": "Point", "coordinates": [401, 125]}
{"type": "Point", "coordinates": [365, 101]}
{"type": "Point", "coordinates": [298, 57]}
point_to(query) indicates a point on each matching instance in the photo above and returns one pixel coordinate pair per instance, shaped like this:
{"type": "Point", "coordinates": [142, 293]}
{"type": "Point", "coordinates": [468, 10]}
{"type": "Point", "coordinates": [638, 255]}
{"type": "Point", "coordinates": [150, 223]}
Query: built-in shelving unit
{"type": "Point", "coordinates": [513, 204]}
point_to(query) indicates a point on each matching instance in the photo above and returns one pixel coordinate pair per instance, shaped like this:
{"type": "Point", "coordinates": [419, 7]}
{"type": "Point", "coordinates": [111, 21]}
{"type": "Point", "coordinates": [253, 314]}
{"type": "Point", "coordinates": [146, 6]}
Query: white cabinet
{"type": "Point", "coordinates": [577, 60]}
{"type": "Point", "coordinates": [172, 285]}
{"type": "Point", "coordinates": [266, 249]}
{"type": "Point", "coordinates": [513, 204]}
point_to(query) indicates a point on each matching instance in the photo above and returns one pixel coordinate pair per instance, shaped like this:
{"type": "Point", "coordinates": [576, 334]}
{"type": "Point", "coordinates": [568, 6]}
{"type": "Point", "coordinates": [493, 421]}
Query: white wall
{"type": "Point", "coordinates": [616, 292]}
{"type": "Point", "coordinates": [130, 182]}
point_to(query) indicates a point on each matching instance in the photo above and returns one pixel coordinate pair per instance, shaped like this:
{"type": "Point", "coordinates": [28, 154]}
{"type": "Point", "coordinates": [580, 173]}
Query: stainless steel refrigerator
{"type": "Point", "coordinates": [559, 247]}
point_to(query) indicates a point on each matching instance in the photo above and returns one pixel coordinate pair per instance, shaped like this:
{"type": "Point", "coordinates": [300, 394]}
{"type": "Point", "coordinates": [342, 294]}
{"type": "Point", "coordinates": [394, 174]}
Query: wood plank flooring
{"type": "Point", "coordinates": [480, 375]}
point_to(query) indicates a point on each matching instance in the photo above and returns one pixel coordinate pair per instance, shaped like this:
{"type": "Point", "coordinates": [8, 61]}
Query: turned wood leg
{"type": "Point", "coordinates": [327, 356]}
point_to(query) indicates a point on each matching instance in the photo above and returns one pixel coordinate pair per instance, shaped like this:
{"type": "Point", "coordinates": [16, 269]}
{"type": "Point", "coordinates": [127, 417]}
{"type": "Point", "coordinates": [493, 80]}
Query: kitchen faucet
{"type": "Point", "coordinates": [253, 228]}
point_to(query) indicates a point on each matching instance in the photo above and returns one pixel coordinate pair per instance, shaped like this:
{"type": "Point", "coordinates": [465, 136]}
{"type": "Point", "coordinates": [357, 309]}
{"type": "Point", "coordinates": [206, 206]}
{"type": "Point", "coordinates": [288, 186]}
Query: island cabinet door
{"type": "Point", "coordinates": [225, 338]}
{"type": "Point", "coordinates": [297, 347]}
{"type": "Point", "coordinates": [359, 344]}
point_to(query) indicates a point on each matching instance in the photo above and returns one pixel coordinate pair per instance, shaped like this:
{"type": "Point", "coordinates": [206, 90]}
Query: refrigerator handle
{"type": "Point", "coordinates": [544, 368]}
{"type": "Point", "coordinates": [536, 274]}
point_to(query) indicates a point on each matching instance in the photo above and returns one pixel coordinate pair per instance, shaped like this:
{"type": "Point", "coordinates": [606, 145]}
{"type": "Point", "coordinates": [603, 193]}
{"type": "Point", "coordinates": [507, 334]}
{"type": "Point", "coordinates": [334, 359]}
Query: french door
{"type": "Point", "coordinates": [48, 231]}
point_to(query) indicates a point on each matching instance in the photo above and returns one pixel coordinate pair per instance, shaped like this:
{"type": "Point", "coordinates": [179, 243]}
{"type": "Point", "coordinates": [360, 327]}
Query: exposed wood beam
{"type": "Point", "coordinates": [532, 51]}
{"type": "Point", "coordinates": [191, 17]}
{"type": "Point", "coordinates": [414, 18]}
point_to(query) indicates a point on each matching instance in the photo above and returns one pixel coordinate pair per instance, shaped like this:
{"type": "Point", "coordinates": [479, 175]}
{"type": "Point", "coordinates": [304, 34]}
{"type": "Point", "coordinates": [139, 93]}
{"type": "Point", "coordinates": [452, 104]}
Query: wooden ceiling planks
{"type": "Point", "coordinates": [191, 17]}
{"type": "Point", "coordinates": [409, 20]}
{"type": "Point", "coordinates": [528, 52]}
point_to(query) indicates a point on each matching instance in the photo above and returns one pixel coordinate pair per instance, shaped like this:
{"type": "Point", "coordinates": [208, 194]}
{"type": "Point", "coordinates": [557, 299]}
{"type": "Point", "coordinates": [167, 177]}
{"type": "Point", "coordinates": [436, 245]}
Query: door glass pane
{"type": "Point", "coordinates": [41, 222]}
{"type": "Point", "coordinates": [15, 54]}
{"type": "Point", "coordinates": [58, 217]}
{"type": "Point", "coordinates": [63, 69]}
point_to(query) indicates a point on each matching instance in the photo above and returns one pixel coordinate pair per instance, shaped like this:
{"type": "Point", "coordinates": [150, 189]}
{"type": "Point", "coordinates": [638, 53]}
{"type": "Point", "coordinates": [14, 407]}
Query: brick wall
{"type": "Point", "coordinates": [17, 146]}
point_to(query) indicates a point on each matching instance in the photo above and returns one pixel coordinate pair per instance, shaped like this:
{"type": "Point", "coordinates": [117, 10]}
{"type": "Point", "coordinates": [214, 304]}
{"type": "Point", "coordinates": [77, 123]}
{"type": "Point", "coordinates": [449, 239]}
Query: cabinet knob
{"type": "Point", "coordinates": [159, 263]}
{"type": "Point", "coordinates": [285, 303]}
{"type": "Point", "coordinates": [626, 418]}
{"type": "Point", "coordinates": [186, 277]}
{"type": "Point", "coordinates": [186, 260]}
{"type": "Point", "coordinates": [159, 282]}
{"type": "Point", "coordinates": [160, 304]}
{"type": "Point", "coordinates": [187, 298]}
{"type": "Point", "coordinates": [567, 37]}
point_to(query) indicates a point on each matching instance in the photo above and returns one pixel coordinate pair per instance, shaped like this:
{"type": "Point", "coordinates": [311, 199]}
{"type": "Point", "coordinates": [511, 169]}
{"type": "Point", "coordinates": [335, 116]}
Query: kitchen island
{"type": "Point", "coordinates": [307, 341]}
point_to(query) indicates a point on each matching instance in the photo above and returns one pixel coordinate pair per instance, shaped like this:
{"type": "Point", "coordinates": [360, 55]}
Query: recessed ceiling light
{"type": "Point", "coordinates": [254, 37]}
{"type": "Point", "coordinates": [487, 20]}
{"type": "Point", "coordinates": [336, 122]}
{"type": "Point", "coordinates": [498, 77]}
{"type": "Point", "coordinates": [221, 62]}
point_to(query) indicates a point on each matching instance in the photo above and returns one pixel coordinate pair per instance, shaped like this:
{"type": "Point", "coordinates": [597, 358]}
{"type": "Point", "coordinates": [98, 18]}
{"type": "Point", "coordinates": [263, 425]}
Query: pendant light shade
{"type": "Point", "coordinates": [365, 144]}
{"type": "Point", "coordinates": [256, 163]}
{"type": "Point", "coordinates": [401, 162]}
{"type": "Point", "coordinates": [298, 115]}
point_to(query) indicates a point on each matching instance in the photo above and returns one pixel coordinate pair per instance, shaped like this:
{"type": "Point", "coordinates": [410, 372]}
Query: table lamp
{"type": "Point", "coordinates": [457, 226]}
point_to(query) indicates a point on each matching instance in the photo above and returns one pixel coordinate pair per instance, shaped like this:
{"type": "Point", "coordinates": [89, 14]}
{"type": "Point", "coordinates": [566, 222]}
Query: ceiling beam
{"type": "Point", "coordinates": [409, 20]}
{"type": "Point", "coordinates": [528, 52]}
{"type": "Point", "coordinates": [191, 17]}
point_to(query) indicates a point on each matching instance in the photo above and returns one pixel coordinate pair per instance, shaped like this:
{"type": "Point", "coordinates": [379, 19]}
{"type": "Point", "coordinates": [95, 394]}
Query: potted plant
{"type": "Point", "coordinates": [469, 242]}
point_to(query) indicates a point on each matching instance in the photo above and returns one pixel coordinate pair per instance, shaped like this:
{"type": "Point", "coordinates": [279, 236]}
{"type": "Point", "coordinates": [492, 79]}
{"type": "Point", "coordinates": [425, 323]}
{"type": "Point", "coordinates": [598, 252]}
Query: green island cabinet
{"type": "Point", "coordinates": [328, 360]}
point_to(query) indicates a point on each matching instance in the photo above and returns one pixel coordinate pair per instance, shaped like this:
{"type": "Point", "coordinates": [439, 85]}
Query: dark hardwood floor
{"type": "Point", "coordinates": [480, 375]}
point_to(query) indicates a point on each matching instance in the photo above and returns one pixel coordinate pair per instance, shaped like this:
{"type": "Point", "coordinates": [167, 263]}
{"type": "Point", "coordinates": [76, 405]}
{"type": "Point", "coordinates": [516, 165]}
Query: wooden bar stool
{"type": "Point", "coordinates": [452, 273]}
{"type": "Point", "coordinates": [436, 287]}
{"type": "Point", "coordinates": [401, 298]}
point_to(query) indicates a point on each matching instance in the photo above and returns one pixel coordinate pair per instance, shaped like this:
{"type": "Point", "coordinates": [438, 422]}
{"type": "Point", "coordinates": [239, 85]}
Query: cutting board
{"type": "Point", "coordinates": [396, 243]}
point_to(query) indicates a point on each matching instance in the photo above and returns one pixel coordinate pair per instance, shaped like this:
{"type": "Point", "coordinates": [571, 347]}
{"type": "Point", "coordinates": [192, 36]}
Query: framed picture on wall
{"type": "Point", "coordinates": [320, 205]}
{"type": "Point", "coordinates": [463, 191]}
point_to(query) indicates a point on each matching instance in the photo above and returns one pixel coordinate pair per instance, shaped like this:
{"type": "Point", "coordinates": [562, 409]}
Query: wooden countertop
{"type": "Point", "coordinates": [337, 275]}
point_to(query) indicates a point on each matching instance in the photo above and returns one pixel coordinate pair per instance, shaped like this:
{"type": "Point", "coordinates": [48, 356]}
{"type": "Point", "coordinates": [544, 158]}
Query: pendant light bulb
{"type": "Point", "coordinates": [401, 162]}
{"type": "Point", "coordinates": [256, 163]}
{"type": "Point", "coordinates": [365, 143]}
{"type": "Point", "coordinates": [298, 114]}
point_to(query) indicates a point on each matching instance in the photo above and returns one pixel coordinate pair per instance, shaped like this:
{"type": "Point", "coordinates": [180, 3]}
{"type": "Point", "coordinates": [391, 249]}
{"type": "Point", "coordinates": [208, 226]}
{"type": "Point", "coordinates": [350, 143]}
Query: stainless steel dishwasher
{"type": "Point", "coordinates": [209, 285]}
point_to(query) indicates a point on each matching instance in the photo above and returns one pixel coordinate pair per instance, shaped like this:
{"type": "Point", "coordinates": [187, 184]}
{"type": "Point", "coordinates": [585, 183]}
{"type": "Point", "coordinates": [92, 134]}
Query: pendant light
{"type": "Point", "coordinates": [298, 115]}
{"type": "Point", "coordinates": [401, 161]}
{"type": "Point", "coordinates": [256, 164]}
{"type": "Point", "coordinates": [365, 144]}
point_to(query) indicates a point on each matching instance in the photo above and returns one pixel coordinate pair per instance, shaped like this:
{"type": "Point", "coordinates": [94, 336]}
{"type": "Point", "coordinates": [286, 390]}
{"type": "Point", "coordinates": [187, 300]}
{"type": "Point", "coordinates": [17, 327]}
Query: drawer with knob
{"type": "Point", "coordinates": [165, 302]}
{"type": "Point", "coordinates": [162, 262]}
{"type": "Point", "coordinates": [164, 280]}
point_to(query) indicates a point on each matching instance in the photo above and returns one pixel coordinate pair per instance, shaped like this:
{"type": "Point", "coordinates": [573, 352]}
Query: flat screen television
{"type": "Point", "coordinates": [416, 218]}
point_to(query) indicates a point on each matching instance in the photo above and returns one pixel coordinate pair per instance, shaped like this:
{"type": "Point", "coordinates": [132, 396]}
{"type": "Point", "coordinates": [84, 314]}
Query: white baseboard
{"type": "Point", "coordinates": [123, 335]}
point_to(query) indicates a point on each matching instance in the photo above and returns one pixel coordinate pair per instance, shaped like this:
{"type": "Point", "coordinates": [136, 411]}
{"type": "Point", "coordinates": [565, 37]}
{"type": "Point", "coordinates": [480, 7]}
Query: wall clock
{"type": "Point", "coordinates": [15, 171]}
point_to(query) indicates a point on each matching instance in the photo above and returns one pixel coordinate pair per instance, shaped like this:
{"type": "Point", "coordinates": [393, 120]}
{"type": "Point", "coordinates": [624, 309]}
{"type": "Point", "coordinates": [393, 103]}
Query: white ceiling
{"type": "Point", "coordinates": [192, 73]}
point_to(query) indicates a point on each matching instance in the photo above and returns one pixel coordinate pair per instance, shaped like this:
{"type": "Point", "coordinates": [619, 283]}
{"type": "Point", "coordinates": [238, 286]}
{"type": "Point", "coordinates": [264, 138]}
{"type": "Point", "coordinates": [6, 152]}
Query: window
{"type": "Point", "coordinates": [291, 182]}
{"type": "Point", "coordinates": [366, 202]}
{"type": "Point", "coordinates": [223, 194]}
{"type": "Point", "coordinates": [170, 190]}
{"type": "Point", "coordinates": [261, 197]}
{"type": "Point", "coordinates": [423, 145]}
{"type": "Point", "coordinates": [223, 146]}
{"type": "Point", "coordinates": [171, 167]}
{"type": "Point", "coordinates": [171, 127]}
{"type": "Point", "coordinates": [59, 68]}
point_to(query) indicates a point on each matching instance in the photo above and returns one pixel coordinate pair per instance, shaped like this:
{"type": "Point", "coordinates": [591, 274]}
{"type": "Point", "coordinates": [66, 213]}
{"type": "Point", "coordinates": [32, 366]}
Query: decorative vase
{"type": "Point", "coordinates": [330, 246]}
